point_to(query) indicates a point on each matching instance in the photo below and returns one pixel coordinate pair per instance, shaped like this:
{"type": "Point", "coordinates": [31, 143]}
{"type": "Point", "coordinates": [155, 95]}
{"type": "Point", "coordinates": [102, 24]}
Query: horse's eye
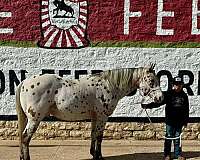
{"type": "Point", "coordinates": [151, 83]}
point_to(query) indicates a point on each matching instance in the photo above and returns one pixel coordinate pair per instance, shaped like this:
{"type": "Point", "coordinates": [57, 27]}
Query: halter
{"type": "Point", "coordinates": [151, 90]}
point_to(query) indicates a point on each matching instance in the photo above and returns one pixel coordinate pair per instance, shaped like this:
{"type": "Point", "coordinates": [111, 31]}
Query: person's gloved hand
{"type": "Point", "coordinates": [148, 106]}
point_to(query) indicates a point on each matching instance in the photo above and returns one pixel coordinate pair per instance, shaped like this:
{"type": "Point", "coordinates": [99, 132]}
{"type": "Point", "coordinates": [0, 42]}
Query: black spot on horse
{"type": "Point", "coordinates": [105, 105]}
{"type": "Point", "coordinates": [32, 86]}
{"type": "Point", "coordinates": [56, 92]}
{"type": "Point", "coordinates": [102, 98]}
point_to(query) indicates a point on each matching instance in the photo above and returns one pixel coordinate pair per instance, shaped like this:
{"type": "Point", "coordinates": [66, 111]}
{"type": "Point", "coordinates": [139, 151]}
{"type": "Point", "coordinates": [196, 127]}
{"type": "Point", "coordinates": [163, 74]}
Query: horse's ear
{"type": "Point", "coordinates": [152, 66]}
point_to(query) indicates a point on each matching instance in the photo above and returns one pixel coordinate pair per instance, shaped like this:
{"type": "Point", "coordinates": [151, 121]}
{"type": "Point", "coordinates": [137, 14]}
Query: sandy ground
{"type": "Point", "coordinates": [112, 150]}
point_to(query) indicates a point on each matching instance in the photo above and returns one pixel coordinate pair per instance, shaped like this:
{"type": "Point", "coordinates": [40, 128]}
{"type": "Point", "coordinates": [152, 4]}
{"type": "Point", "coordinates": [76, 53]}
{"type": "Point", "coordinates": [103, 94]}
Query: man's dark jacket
{"type": "Point", "coordinates": [177, 108]}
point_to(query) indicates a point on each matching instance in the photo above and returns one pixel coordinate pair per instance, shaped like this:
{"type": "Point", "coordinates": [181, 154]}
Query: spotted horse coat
{"type": "Point", "coordinates": [92, 97]}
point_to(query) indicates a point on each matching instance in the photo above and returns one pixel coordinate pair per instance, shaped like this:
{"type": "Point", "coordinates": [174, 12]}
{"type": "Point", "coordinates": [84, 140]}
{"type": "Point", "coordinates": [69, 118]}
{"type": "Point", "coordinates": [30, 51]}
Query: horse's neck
{"type": "Point", "coordinates": [132, 86]}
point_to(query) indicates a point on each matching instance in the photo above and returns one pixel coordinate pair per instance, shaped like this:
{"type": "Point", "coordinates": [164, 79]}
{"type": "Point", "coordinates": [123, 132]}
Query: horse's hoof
{"type": "Point", "coordinates": [98, 158]}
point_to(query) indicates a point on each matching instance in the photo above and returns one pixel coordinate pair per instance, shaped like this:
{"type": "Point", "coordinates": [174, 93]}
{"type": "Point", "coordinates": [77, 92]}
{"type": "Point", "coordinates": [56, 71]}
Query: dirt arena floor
{"type": "Point", "coordinates": [112, 150]}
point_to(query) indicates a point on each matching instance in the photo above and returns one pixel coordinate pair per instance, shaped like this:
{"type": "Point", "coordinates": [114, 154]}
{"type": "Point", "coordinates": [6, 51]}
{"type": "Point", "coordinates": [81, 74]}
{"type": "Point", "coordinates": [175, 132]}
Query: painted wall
{"type": "Point", "coordinates": [18, 63]}
{"type": "Point", "coordinates": [110, 34]}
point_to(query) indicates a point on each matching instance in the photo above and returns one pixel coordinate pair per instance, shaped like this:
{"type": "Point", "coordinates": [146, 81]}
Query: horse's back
{"type": "Point", "coordinates": [39, 83]}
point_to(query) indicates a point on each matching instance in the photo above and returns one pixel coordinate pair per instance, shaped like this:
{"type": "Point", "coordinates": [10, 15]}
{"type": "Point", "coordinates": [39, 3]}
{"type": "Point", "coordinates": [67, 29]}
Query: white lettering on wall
{"type": "Point", "coordinates": [160, 15]}
{"type": "Point", "coordinates": [195, 14]}
{"type": "Point", "coordinates": [127, 15]}
{"type": "Point", "coordinates": [5, 30]}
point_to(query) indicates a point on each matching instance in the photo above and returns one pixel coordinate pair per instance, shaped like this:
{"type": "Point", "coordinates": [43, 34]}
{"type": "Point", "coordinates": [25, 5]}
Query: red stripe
{"type": "Point", "coordinates": [83, 40]}
{"type": "Point", "coordinates": [44, 13]}
{"type": "Point", "coordinates": [81, 20]}
{"type": "Point", "coordinates": [83, 14]}
{"type": "Point", "coordinates": [64, 40]}
{"type": "Point", "coordinates": [55, 40]}
{"type": "Point", "coordinates": [45, 39]}
{"type": "Point", "coordinates": [84, 7]}
{"type": "Point", "coordinates": [46, 27]}
{"type": "Point", "coordinates": [73, 43]}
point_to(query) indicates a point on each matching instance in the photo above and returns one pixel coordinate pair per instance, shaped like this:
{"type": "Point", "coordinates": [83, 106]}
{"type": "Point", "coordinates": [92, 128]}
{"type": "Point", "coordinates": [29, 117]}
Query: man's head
{"type": "Point", "coordinates": [177, 84]}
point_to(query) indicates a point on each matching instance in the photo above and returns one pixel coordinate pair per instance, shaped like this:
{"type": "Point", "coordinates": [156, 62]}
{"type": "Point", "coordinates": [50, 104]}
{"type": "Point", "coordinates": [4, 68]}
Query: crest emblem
{"type": "Point", "coordinates": [63, 23]}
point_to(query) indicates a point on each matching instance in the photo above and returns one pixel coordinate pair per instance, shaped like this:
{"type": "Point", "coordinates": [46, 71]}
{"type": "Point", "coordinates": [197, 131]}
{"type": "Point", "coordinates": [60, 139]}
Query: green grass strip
{"type": "Point", "coordinates": [18, 43]}
{"type": "Point", "coordinates": [141, 44]}
{"type": "Point", "coordinates": [138, 44]}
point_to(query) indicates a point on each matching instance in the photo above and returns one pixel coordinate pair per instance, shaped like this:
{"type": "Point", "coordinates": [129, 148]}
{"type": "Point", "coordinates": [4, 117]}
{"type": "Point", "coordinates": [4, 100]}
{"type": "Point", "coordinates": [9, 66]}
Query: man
{"type": "Point", "coordinates": [177, 115]}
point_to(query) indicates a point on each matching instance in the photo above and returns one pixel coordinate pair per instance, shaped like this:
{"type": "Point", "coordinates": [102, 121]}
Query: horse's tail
{"type": "Point", "coordinates": [22, 119]}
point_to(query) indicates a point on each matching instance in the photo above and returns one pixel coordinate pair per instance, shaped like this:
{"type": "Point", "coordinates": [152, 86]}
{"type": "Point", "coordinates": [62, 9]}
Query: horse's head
{"type": "Point", "coordinates": [149, 86]}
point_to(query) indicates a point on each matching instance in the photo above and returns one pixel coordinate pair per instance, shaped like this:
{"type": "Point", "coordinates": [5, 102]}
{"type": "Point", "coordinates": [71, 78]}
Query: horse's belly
{"type": "Point", "coordinates": [70, 116]}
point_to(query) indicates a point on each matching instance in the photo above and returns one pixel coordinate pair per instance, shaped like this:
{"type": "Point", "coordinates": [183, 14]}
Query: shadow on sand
{"type": "Point", "coordinates": [149, 156]}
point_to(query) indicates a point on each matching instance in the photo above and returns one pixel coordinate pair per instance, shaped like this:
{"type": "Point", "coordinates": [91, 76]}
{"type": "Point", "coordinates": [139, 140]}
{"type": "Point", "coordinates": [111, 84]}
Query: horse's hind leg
{"type": "Point", "coordinates": [31, 127]}
{"type": "Point", "coordinates": [93, 138]}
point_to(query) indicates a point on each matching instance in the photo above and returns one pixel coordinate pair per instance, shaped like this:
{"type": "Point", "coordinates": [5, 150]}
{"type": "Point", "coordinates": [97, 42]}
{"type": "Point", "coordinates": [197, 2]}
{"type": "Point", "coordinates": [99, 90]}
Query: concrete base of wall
{"type": "Point", "coordinates": [82, 130]}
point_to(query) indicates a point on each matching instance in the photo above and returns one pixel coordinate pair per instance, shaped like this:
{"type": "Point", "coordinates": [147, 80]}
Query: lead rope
{"type": "Point", "coordinates": [174, 138]}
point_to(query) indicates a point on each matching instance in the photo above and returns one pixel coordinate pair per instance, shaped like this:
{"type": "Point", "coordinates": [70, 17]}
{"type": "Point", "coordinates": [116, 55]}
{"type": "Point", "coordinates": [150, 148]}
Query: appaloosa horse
{"type": "Point", "coordinates": [92, 97]}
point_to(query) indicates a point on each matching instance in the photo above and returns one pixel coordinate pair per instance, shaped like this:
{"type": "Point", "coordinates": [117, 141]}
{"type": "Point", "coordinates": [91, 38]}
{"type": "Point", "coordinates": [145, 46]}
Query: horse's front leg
{"type": "Point", "coordinates": [98, 146]}
{"type": "Point", "coordinates": [100, 125]}
{"type": "Point", "coordinates": [100, 128]}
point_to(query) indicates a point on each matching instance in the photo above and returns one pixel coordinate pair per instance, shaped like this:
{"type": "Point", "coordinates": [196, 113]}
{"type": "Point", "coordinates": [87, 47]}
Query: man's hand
{"type": "Point", "coordinates": [148, 106]}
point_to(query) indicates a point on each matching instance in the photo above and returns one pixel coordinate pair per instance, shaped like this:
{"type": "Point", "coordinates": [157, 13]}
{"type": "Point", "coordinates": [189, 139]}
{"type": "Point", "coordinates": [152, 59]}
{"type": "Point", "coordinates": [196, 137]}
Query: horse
{"type": "Point", "coordinates": [92, 97]}
{"type": "Point", "coordinates": [60, 5]}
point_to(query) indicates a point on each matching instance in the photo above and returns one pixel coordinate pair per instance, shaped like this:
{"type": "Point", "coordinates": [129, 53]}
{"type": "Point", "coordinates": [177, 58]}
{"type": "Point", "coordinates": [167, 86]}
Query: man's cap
{"type": "Point", "coordinates": [177, 80]}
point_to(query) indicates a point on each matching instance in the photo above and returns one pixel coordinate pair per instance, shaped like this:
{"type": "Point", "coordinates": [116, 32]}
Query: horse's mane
{"type": "Point", "coordinates": [121, 78]}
